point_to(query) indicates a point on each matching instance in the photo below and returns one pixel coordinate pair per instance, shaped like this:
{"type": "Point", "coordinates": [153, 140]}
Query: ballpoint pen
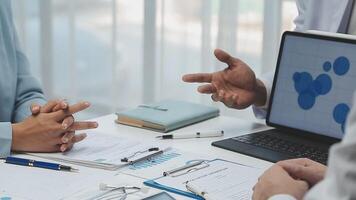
{"type": "Point", "coordinates": [192, 188]}
{"type": "Point", "coordinates": [190, 165]}
{"type": "Point", "coordinates": [39, 164]}
{"type": "Point", "coordinates": [156, 151]}
{"type": "Point", "coordinates": [193, 135]}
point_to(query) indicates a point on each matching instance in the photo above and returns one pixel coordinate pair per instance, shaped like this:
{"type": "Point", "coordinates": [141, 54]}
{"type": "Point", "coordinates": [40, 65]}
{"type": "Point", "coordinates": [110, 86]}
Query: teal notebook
{"type": "Point", "coordinates": [166, 115]}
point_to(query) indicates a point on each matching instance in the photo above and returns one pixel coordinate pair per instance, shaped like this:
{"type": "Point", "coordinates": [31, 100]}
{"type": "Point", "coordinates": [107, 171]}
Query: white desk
{"type": "Point", "coordinates": [231, 126]}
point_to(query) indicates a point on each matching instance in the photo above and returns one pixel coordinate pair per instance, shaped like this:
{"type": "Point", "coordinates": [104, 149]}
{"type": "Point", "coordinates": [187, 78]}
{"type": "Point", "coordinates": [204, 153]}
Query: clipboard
{"type": "Point", "coordinates": [191, 167]}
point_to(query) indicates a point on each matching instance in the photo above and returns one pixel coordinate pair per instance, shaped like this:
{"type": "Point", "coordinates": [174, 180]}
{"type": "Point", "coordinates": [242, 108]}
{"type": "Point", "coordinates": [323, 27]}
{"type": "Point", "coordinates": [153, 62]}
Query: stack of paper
{"type": "Point", "coordinates": [216, 179]}
{"type": "Point", "coordinates": [102, 151]}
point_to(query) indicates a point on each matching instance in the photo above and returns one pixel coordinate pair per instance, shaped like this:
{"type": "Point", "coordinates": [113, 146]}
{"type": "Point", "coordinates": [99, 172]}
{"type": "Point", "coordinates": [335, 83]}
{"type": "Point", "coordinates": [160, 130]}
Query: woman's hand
{"type": "Point", "coordinates": [44, 132]}
{"type": "Point", "coordinates": [69, 138]}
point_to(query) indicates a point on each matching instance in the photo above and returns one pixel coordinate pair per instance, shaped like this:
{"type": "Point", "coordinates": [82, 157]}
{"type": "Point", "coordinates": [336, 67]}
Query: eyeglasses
{"type": "Point", "coordinates": [118, 192]}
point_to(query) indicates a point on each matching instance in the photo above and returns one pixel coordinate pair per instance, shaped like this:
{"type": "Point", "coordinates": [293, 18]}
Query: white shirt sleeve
{"type": "Point", "coordinates": [261, 111]}
{"type": "Point", "coordinates": [282, 197]}
{"type": "Point", "coordinates": [340, 179]}
{"type": "Point", "coordinates": [299, 21]}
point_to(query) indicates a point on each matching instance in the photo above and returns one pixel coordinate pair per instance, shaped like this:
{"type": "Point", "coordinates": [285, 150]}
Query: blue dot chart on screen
{"type": "Point", "coordinates": [340, 114]}
{"type": "Point", "coordinates": [309, 89]}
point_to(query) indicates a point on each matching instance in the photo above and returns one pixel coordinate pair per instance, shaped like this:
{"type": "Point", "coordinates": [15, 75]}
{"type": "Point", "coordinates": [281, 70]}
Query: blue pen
{"type": "Point", "coordinates": [40, 164]}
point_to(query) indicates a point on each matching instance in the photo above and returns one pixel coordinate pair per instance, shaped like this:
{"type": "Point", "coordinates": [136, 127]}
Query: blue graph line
{"type": "Point", "coordinates": [154, 161]}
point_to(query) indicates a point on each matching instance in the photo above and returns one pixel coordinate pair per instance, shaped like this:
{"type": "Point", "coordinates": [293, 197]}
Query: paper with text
{"type": "Point", "coordinates": [221, 180]}
{"type": "Point", "coordinates": [102, 151]}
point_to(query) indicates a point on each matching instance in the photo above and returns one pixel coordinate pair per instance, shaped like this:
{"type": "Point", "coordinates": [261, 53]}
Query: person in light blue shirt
{"type": "Point", "coordinates": [50, 126]}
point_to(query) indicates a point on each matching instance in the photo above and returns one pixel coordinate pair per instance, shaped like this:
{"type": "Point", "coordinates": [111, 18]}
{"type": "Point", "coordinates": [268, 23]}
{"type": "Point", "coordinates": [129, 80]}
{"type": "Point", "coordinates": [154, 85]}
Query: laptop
{"type": "Point", "coordinates": [310, 99]}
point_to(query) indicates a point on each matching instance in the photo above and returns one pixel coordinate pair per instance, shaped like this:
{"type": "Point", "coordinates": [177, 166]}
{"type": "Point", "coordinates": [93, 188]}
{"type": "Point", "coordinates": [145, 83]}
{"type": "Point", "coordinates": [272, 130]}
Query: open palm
{"type": "Point", "coordinates": [236, 86]}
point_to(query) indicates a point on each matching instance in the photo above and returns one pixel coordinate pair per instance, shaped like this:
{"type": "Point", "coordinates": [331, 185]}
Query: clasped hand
{"type": "Point", "coordinates": [51, 128]}
{"type": "Point", "coordinates": [293, 177]}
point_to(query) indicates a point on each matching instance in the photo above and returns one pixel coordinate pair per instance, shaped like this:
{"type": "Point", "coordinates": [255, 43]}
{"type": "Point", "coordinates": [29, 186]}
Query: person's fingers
{"type": "Point", "coordinates": [75, 139]}
{"type": "Point", "coordinates": [225, 57]}
{"type": "Point", "coordinates": [61, 114]}
{"type": "Point", "coordinates": [35, 109]}
{"type": "Point", "coordinates": [56, 129]}
{"type": "Point", "coordinates": [68, 136]}
{"type": "Point", "coordinates": [83, 126]}
{"type": "Point", "coordinates": [63, 147]}
{"type": "Point", "coordinates": [61, 105]}
{"type": "Point", "coordinates": [67, 122]}
{"type": "Point", "coordinates": [242, 102]}
{"type": "Point", "coordinates": [235, 98]}
{"type": "Point", "coordinates": [255, 194]}
{"type": "Point", "coordinates": [297, 161]}
{"type": "Point", "coordinates": [228, 100]}
{"type": "Point", "coordinates": [303, 184]}
{"type": "Point", "coordinates": [214, 97]}
{"type": "Point", "coordinates": [220, 96]}
{"type": "Point", "coordinates": [79, 137]}
{"type": "Point", "coordinates": [69, 146]}
{"type": "Point", "coordinates": [207, 89]}
{"type": "Point", "coordinates": [66, 146]}
{"type": "Point", "coordinates": [297, 171]}
{"type": "Point", "coordinates": [49, 106]}
{"type": "Point", "coordinates": [198, 78]}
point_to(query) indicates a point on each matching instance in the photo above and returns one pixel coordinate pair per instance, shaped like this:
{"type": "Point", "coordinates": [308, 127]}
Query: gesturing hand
{"type": "Point", "coordinates": [236, 86]}
{"type": "Point", "coordinates": [304, 169]}
{"type": "Point", "coordinates": [43, 132]}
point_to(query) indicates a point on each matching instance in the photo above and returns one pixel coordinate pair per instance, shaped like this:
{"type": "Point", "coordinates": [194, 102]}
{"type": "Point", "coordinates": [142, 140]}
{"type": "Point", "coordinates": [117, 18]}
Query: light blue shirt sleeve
{"type": "Point", "coordinates": [18, 88]}
{"type": "Point", "coordinates": [28, 90]}
{"type": "Point", "coordinates": [5, 138]}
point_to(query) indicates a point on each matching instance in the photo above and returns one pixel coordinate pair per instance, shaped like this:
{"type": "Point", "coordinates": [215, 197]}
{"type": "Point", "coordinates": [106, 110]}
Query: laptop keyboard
{"type": "Point", "coordinates": [277, 144]}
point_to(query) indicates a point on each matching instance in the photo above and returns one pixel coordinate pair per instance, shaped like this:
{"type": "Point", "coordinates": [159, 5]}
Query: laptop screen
{"type": "Point", "coordinates": [314, 84]}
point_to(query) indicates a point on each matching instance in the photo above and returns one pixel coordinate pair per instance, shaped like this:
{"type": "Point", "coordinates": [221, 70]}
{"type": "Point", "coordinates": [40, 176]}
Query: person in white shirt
{"type": "Point", "coordinates": [238, 87]}
{"type": "Point", "coordinates": [309, 180]}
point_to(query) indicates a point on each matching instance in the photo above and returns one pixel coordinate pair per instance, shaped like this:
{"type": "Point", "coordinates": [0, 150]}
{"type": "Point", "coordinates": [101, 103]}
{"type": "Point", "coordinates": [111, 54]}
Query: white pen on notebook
{"type": "Point", "coordinates": [204, 134]}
